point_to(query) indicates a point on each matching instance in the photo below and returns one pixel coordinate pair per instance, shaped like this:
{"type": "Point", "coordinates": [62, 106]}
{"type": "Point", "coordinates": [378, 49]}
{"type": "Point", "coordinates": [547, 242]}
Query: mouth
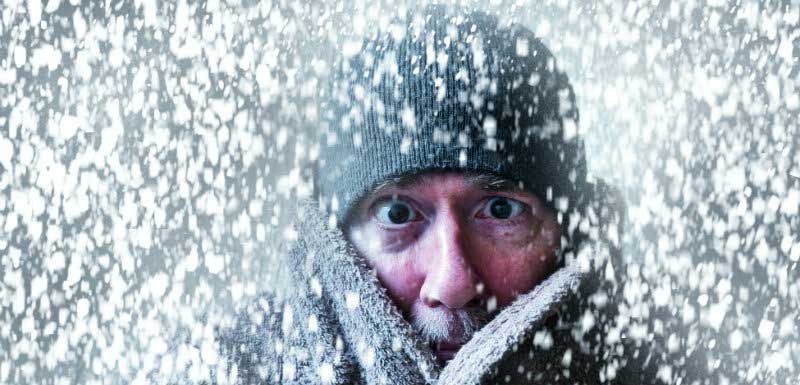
{"type": "Point", "coordinates": [446, 350]}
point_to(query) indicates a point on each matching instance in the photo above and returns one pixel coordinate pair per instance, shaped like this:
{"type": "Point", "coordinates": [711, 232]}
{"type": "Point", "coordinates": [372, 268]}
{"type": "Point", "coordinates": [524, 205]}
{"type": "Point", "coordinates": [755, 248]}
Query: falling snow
{"type": "Point", "coordinates": [148, 151]}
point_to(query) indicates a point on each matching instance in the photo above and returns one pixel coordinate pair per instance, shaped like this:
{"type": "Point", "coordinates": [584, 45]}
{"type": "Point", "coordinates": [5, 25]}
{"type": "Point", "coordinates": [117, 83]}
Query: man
{"type": "Point", "coordinates": [463, 242]}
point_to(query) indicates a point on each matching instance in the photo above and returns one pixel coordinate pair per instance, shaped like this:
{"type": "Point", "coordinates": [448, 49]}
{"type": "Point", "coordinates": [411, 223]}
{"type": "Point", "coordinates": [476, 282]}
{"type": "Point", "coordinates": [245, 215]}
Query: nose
{"type": "Point", "coordinates": [449, 279]}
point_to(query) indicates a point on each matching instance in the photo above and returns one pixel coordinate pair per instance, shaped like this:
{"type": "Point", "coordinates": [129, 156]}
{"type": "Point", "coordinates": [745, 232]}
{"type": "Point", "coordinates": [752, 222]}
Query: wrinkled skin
{"type": "Point", "coordinates": [449, 241]}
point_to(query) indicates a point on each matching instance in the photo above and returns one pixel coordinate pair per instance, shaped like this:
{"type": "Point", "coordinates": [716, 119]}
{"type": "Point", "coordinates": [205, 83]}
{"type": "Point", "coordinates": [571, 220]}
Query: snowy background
{"type": "Point", "coordinates": [146, 150]}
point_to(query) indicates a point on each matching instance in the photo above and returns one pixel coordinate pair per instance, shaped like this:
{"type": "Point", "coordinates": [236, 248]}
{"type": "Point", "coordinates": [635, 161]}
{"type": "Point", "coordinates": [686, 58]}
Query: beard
{"type": "Point", "coordinates": [443, 325]}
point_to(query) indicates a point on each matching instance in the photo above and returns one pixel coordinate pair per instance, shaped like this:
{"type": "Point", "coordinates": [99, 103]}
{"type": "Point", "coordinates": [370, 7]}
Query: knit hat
{"type": "Point", "coordinates": [452, 91]}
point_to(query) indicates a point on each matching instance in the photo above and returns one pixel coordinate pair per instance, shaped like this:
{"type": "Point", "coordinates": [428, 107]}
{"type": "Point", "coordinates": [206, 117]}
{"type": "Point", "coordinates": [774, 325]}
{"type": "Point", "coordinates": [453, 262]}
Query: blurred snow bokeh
{"type": "Point", "coordinates": [147, 149]}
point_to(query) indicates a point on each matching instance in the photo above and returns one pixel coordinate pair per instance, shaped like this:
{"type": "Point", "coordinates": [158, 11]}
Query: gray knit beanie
{"type": "Point", "coordinates": [452, 91]}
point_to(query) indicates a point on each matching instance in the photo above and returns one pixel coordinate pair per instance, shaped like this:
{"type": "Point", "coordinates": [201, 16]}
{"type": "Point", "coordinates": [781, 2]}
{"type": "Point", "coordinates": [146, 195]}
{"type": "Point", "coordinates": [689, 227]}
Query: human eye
{"type": "Point", "coordinates": [502, 208]}
{"type": "Point", "coordinates": [395, 212]}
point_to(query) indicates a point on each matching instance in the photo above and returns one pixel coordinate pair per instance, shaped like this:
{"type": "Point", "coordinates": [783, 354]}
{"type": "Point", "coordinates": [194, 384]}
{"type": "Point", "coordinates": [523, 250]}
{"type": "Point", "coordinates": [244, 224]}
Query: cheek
{"type": "Point", "coordinates": [515, 275]}
{"type": "Point", "coordinates": [390, 254]}
{"type": "Point", "coordinates": [400, 279]}
{"type": "Point", "coordinates": [511, 262]}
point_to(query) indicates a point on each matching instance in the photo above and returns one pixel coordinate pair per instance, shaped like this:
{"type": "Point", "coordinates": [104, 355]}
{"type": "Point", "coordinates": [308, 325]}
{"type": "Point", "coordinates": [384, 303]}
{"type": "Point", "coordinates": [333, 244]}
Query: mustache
{"type": "Point", "coordinates": [441, 324]}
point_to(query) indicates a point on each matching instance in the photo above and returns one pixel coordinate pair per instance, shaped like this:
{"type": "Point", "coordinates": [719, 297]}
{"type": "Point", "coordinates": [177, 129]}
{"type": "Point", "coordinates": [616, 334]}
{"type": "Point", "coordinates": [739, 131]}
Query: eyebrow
{"type": "Point", "coordinates": [492, 183]}
{"type": "Point", "coordinates": [485, 181]}
{"type": "Point", "coordinates": [403, 181]}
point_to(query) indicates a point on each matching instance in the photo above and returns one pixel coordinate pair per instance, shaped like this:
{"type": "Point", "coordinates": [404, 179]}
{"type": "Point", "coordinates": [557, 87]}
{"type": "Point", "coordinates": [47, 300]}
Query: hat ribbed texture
{"type": "Point", "coordinates": [454, 93]}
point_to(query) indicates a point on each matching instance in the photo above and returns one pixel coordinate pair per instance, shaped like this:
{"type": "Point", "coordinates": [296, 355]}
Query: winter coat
{"type": "Point", "coordinates": [338, 326]}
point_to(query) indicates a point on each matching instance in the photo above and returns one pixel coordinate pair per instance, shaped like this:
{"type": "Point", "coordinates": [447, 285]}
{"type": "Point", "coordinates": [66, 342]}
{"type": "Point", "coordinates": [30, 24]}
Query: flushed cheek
{"type": "Point", "coordinates": [400, 279]}
{"type": "Point", "coordinates": [507, 246]}
{"type": "Point", "coordinates": [507, 277]}
{"type": "Point", "coordinates": [514, 265]}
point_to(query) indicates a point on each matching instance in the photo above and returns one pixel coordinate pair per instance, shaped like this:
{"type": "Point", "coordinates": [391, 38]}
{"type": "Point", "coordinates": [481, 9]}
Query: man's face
{"type": "Point", "coordinates": [451, 248]}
